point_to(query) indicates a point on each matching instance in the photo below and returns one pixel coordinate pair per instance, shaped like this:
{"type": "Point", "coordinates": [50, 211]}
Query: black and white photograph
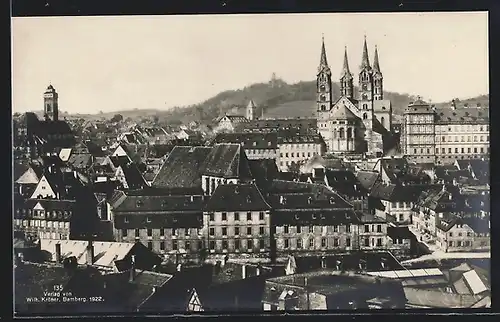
{"type": "Point", "coordinates": [193, 164]}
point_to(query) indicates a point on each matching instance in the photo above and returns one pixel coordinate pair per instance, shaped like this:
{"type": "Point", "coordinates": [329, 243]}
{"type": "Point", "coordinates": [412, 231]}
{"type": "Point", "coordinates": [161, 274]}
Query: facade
{"type": "Point", "coordinates": [237, 220]}
{"type": "Point", "coordinates": [455, 234]}
{"type": "Point", "coordinates": [296, 149]}
{"type": "Point", "coordinates": [228, 123]}
{"type": "Point", "coordinates": [446, 134]}
{"type": "Point", "coordinates": [353, 124]}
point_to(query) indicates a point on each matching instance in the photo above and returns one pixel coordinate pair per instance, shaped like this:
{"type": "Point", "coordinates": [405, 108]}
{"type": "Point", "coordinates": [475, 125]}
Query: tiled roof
{"type": "Point", "coordinates": [345, 183]}
{"type": "Point", "coordinates": [249, 140]}
{"type": "Point", "coordinates": [132, 175]}
{"type": "Point", "coordinates": [263, 169]}
{"type": "Point", "coordinates": [118, 160]}
{"type": "Point", "coordinates": [237, 197]}
{"type": "Point", "coordinates": [105, 253]}
{"type": "Point", "coordinates": [51, 204]}
{"type": "Point", "coordinates": [237, 118]}
{"type": "Point", "coordinates": [478, 225]}
{"type": "Point", "coordinates": [435, 298]}
{"type": "Point", "coordinates": [227, 161]}
{"type": "Point", "coordinates": [441, 201]}
{"type": "Point", "coordinates": [448, 115]}
{"type": "Point", "coordinates": [80, 160]}
{"type": "Point", "coordinates": [131, 295]}
{"type": "Point", "coordinates": [393, 192]}
{"type": "Point", "coordinates": [399, 232]}
{"type": "Point", "coordinates": [182, 168]}
{"type": "Point", "coordinates": [296, 125]}
{"type": "Point", "coordinates": [158, 203]}
{"type": "Point", "coordinates": [367, 178]}
{"type": "Point", "coordinates": [303, 139]}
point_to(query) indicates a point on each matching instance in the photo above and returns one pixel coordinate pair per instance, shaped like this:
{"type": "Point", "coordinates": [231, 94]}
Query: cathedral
{"type": "Point", "coordinates": [353, 123]}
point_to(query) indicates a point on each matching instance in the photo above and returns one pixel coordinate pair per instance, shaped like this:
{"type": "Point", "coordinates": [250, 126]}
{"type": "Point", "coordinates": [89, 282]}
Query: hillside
{"type": "Point", "coordinates": [275, 99]}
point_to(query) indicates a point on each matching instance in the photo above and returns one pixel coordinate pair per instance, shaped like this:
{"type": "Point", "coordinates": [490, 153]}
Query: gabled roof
{"type": "Point", "coordinates": [80, 160]}
{"type": "Point", "coordinates": [367, 178]}
{"type": "Point", "coordinates": [399, 233]}
{"type": "Point", "coordinates": [342, 112]}
{"type": "Point", "coordinates": [237, 197]}
{"type": "Point", "coordinates": [133, 176]}
{"type": "Point", "coordinates": [227, 161]}
{"type": "Point", "coordinates": [447, 115]}
{"type": "Point", "coordinates": [31, 175]}
{"type": "Point", "coordinates": [182, 168]}
{"type": "Point", "coordinates": [345, 183]}
{"type": "Point", "coordinates": [249, 140]}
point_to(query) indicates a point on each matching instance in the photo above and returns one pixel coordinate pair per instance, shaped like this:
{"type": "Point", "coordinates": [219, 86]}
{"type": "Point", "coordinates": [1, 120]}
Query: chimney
{"type": "Point", "coordinates": [90, 253]}
{"type": "Point", "coordinates": [243, 271]}
{"type": "Point", "coordinates": [323, 262]}
{"type": "Point", "coordinates": [20, 256]}
{"type": "Point", "coordinates": [58, 253]}
{"type": "Point", "coordinates": [50, 169]}
{"type": "Point", "coordinates": [132, 268]}
{"type": "Point", "coordinates": [179, 267]}
{"type": "Point", "coordinates": [453, 104]}
{"type": "Point", "coordinates": [75, 174]}
{"type": "Point", "coordinates": [257, 270]}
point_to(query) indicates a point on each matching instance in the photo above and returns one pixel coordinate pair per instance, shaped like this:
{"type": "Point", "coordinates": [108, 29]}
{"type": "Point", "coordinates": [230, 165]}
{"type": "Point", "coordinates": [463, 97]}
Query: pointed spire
{"type": "Point", "coordinates": [251, 104]}
{"type": "Point", "coordinates": [376, 65]}
{"type": "Point", "coordinates": [323, 61]}
{"type": "Point", "coordinates": [365, 62]}
{"type": "Point", "coordinates": [345, 68]}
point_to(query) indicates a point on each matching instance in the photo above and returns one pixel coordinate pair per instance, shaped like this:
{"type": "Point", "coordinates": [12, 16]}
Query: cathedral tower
{"type": "Point", "coordinates": [377, 78]}
{"type": "Point", "coordinates": [324, 83]}
{"type": "Point", "coordinates": [366, 87]}
{"type": "Point", "coordinates": [346, 84]}
{"type": "Point", "coordinates": [50, 104]}
{"type": "Point", "coordinates": [251, 109]}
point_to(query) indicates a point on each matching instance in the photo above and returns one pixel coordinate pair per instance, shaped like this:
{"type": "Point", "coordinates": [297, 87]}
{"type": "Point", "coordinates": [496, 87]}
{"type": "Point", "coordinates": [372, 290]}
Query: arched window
{"type": "Point", "coordinates": [341, 133]}
{"type": "Point", "coordinates": [365, 116]}
{"type": "Point", "coordinates": [365, 106]}
{"type": "Point", "coordinates": [349, 133]}
{"type": "Point", "coordinates": [354, 133]}
{"type": "Point", "coordinates": [322, 88]}
{"type": "Point", "coordinates": [334, 134]}
{"type": "Point", "coordinates": [323, 98]}
{"type": "Point", "coordinates": [382, 121]}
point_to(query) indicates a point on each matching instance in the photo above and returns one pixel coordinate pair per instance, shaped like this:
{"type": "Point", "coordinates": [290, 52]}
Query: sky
{"type": "Point", "coordinates": [128, 62]}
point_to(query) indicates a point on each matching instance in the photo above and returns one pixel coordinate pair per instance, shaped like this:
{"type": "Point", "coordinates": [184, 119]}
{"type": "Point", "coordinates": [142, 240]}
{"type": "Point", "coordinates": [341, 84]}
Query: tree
{"type": "Point", "coordinates": [294, 167]}
{"type": "Point", "coordinates": [117, 118]}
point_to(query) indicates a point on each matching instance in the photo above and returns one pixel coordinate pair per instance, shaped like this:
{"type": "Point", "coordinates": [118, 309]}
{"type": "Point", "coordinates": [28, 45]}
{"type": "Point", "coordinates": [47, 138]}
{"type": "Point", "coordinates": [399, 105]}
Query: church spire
{"type": "Point", "coordinates": [376, 65]}
{"type": "Point", "coordinates": [323, 62]}
{"type": "Point", "coordinates": [345, 68]}
{"type": "Point", "coordinates": [365, 62]}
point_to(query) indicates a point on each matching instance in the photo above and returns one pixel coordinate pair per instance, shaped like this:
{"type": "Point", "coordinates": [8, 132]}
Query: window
{"type": "Point", "coordinates": [224, 216]}
{"type": "Point", "coordinates": [348, 242]}
{"type": "Point", "coordinates": [468, 150]}
{"type": "Point", "coordinates": [236, 216]}
{"type": "Point", "coordinates": [150, 245]}
{"type": "Point", "coordinates": [450, 244]}
{"type": "Point", "coordinates": [379, 228]}
{"type": "Point", "coordinates": [175, 244]}
{"type": "Point", "coordinates": [379, 242]}
{"type": "Point", "coordinates": [367, 228]}
{"type": "Point", "coordinates": [285, 229]}
{"type": "Point", "coordinates": [261, 215]}
{"type": "Point", "coordinates": [456, 150]}
{"type": "Point", "coordinates": [250, 244]}
{"type": "Point", "coordinates": [125, 220]}
{"type": "Point", "coordinates": [224, 244]}
{"type": "Point", "coordinates": [475, 138]}
{"type": "Point", "coordinates": [414, 151]}
{"type": "Point", "coordinates": [224, 231]}
{"type": "Point", "coordinates": [348, 228]}
{"type": "Point", "coordinates": [367, 241]}
{"type": "Point", "coordinates": [137, 233]}
{"type": "Point", "coordinates": [175, 232]}
{"type": "Point", "coordinates": [475, 150]}
{"type": "Point", "coordinates": [299, 243]}
{"type": "Point", "coordinates": [249, 231]}
{"type": "Point", "coordinates": [298, 230]}
{"type": "Point", "coordinates": [124, 231]}
{"type": "Point", "coordinates": [443, 150]}
{"type": "Point", "coordinates": [311, 243]}
{"type": "Point", "coordinates": [212, 231]}
{"type": "Point", "coordinates": [481, 150]}
{"type": "Point", "coordinates": [162, 232]}
{"type": "Point", "coordinates": [451, 234]}
{"type": "Point", "coordinates": [323, 242]}
{"type": "Point", "coordinates": [443, 139]}
{"type": "Point", "coordinates": [150, 232]}
{"type": "Point", "coordinates": [335, 229]}
{"type": "Point", "coordinates": [236, 231]}
{"type": "Point", "coordinates": [148, 219]}
{"type": "Point", "coordinates": [437, 150]}
{"type": "Point", "coordinates": [212, 217]}
{"type": "Point", "coordinates": [261, 230]}
{"type": "Point", "coordinates": [212, 244]}
{"type": "Point", "coordinates": [287, 244]}
{"type": "Point", "coordinates": [449, 150]}
{"type": "Point", "coordinates": [462, 150]}
{"type": "Point", "coordinates": [335, 242]}
{"type": "Point", "coordinates": [261, 244]}
{"type": "Point", "coordinates": [249, 216]}
{"type": "Point", "coordinates": [162, 246]}
{"type": "Point", "coordinates": [237, 244]}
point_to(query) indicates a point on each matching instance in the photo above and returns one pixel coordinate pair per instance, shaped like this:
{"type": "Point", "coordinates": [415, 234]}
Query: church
{"type": "Point", "coordinates": [353, 124]}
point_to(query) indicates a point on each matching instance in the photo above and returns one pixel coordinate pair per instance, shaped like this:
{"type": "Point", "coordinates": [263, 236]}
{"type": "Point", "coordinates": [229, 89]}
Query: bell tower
{"type": "Point", "coordinates": [50, 104]}
{"type": "Point", "coordinates": [323, 83]}
{"type": "Point", "coordinates": [346, 84]}
{"type": "Point", "coordinates": [366, 88]}
{"type": "Point", "coordinates": [378, 79]}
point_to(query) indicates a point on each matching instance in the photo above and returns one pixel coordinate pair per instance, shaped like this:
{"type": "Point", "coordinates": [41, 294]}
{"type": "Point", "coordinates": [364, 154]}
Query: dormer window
{"type": "Point", "coordinates": [255, 144]}
{"type": "Point", "coordinates": [148, 219]}
{"type": "Point", "coordinates": [332, 201]}
{"type": "Point", "coordinates": [125, 220]}
{"type": "Point", "coordinates": [309, 200]}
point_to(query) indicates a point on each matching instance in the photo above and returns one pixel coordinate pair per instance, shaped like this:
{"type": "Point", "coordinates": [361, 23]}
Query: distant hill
{"type": "Point", "coordinates": [276, 99]}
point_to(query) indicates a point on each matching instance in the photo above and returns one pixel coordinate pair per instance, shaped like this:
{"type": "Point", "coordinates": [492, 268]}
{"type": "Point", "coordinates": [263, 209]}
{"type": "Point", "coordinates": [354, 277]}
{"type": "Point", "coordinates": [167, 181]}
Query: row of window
{"type": "Point", "coordinates": [240, 244]}
{"type": "Point", "coordinates": [401, 204]}
{"type": "Point", "coordinates": [236, 216]}
{"type": "Point", "coordinates": [469, 234]}
{"type": "Point", "coordinates": [462, 150]}
{"type": "Point", "coordinates": [463, 138]}
{"type": "Point", "coordinates": [311, 242]}
{"type": "Point", "coordinates": [237, 232]}
{"type": "Point", "coordinates": [259, 151]}
{"type": "Point", "coordinates": [467, 128]}
{"type": "Point", "coordinates": [306, 146]}
{"type": "Point", "coordinates": [42, 213]}
{"type": "Point", "coordinates": [311, 229]}
{"type": "Point", "coordinates": [41, 223]}
{"type": "Point", "coordinates": [181, 232]}
{"type": "Point", "coordinates": [460, 243]}
{"type": "Point", "coordinates": [292, 155]}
